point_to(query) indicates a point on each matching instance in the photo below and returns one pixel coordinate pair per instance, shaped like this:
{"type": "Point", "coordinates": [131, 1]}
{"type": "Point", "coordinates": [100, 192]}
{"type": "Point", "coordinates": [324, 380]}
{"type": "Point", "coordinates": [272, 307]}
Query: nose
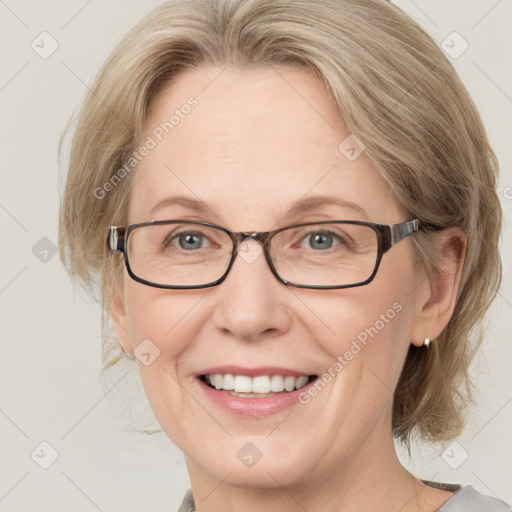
{"type": "Point", "coordinates": [251, 301]}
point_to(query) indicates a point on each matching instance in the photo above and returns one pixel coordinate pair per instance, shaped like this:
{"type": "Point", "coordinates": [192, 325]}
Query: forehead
{"type": "Point", "coordinates": [249, 143]}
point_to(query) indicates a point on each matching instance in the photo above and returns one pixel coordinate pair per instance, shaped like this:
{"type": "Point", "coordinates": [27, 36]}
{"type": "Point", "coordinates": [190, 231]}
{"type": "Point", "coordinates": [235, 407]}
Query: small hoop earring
{"type": "Point", "coordinates": [426, 343]}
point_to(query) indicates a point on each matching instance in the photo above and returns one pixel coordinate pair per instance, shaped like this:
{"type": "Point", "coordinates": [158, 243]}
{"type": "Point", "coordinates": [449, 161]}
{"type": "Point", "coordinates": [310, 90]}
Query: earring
{"type": "Point", "coordinates": [426, 343]}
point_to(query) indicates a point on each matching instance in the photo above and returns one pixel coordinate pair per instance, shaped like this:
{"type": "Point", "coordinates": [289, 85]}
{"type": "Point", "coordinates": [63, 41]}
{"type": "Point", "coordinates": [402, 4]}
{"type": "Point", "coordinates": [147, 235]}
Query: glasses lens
{"type": "Point", "coordinates": [179, 254]}
{"type": "Point", "coordinates": [334, 254]}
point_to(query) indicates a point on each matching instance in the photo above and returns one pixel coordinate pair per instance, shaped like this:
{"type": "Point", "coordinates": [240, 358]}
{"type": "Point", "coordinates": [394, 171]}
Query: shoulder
{"type": "Point", "coordinates": [465, 499]}
{"type": "Point", "coordinates": [468, 499]}
{"type": "Point", "coordinates": [187, 505]}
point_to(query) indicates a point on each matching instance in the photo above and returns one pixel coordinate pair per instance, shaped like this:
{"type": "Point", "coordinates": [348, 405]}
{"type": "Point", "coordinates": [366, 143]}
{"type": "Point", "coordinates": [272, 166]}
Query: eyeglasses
{"type": "Point", "coordinates": [185, 254]}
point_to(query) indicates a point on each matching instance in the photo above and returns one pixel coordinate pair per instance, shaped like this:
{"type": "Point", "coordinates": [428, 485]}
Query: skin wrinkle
{"type": "Point", "coordinates": [249, 165]}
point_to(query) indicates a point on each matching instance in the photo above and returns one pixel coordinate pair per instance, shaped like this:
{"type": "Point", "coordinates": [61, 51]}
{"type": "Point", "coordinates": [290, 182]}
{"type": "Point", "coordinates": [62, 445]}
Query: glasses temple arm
{"type": "Point", "coordinates": [402, 230]}
{"type": "Point", "coordinates": [115, 238]}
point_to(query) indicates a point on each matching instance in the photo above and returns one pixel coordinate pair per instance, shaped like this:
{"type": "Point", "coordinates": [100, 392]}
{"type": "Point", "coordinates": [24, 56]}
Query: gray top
{"type": "Point", "coordinates": [465, 499]}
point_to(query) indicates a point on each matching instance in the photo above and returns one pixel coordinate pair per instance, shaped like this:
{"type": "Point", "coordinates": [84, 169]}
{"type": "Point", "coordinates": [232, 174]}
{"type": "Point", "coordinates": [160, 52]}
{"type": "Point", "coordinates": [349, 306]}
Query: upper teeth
{"type": "Point", "coordinates": [260, 384]}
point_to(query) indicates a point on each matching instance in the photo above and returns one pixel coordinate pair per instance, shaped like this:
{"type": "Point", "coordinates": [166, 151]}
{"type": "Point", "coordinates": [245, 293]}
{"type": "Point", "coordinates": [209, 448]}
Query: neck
{"type": "Point", "coordinates": [369, 478]}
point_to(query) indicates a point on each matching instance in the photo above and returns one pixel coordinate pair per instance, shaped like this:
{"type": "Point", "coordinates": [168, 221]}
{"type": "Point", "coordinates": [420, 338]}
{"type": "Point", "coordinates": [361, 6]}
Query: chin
{"type": "Point", "coordinates": [246, 463]}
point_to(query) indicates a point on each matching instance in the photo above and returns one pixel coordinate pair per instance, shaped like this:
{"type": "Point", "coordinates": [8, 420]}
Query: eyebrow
{"type": "Point", "coordinates": [302, 206]}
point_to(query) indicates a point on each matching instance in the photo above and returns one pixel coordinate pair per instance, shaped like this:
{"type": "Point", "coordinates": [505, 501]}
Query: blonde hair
{"type": "Point", "coordinates": [395, 90]}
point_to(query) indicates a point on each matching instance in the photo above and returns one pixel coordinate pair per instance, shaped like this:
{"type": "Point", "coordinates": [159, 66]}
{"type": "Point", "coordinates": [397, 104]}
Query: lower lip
{"type": "Point", "coordinates": [253, 407]}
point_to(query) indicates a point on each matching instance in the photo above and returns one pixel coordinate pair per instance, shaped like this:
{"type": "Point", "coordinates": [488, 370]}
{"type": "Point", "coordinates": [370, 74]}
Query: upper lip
{"type": "Point", "coordinates": [252, 372]}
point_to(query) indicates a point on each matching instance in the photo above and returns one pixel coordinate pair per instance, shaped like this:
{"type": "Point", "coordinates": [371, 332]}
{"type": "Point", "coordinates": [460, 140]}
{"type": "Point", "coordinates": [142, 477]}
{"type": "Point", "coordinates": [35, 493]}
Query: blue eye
{"type": "Point", "coordinates": [321, 240]}
{"type": "Point", "coordinates": [187, 240]}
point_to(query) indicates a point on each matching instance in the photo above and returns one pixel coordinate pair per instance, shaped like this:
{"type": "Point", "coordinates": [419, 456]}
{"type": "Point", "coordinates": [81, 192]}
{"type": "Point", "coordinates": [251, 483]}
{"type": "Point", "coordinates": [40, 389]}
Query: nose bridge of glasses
{"type": "Point", "coordinates": [242, 236]}
{"type": "Point", "coordinates": [250, 252]}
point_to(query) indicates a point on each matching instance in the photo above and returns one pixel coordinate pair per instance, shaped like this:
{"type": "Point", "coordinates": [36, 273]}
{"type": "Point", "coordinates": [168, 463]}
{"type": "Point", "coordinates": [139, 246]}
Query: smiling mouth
{"type": "Point", "coordinates": [262, 386]}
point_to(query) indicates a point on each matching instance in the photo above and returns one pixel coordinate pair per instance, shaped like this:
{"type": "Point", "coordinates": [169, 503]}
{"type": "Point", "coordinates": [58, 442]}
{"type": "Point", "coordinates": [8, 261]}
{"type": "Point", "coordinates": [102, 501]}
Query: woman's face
{"type": "Point", "coordinates": [257, 142]}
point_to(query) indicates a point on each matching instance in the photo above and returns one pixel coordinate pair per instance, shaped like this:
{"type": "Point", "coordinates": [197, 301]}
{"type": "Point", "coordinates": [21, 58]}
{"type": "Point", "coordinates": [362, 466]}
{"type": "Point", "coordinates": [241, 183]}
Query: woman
{"type": "Point", "coordinates": [285, 203]}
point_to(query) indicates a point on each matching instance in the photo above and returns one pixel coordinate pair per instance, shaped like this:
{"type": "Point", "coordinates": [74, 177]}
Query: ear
{"type": "Point", "coordinates": [438, 293]}
{"type": "Point", "coordinates": [121, 324]}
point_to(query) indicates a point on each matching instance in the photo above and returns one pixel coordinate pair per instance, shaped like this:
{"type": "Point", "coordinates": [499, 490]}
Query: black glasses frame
{"type": "Point", "coordinates": [388, 235]}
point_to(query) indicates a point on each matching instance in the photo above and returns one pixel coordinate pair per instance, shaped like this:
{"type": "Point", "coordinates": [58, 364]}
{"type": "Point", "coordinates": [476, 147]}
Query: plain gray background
{"type": "Point", "coordinates": [51, 390]}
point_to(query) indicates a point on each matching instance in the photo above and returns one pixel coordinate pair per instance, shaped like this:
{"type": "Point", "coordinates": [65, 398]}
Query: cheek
{"type": "Point", "coordinates": [162, 325]}
{"type": "Point", "coordinates": [365, 332]}
{"type": "Point", "coordinates": [162, 316]}
{"type": "Point", "coordinates": [361, 320]}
